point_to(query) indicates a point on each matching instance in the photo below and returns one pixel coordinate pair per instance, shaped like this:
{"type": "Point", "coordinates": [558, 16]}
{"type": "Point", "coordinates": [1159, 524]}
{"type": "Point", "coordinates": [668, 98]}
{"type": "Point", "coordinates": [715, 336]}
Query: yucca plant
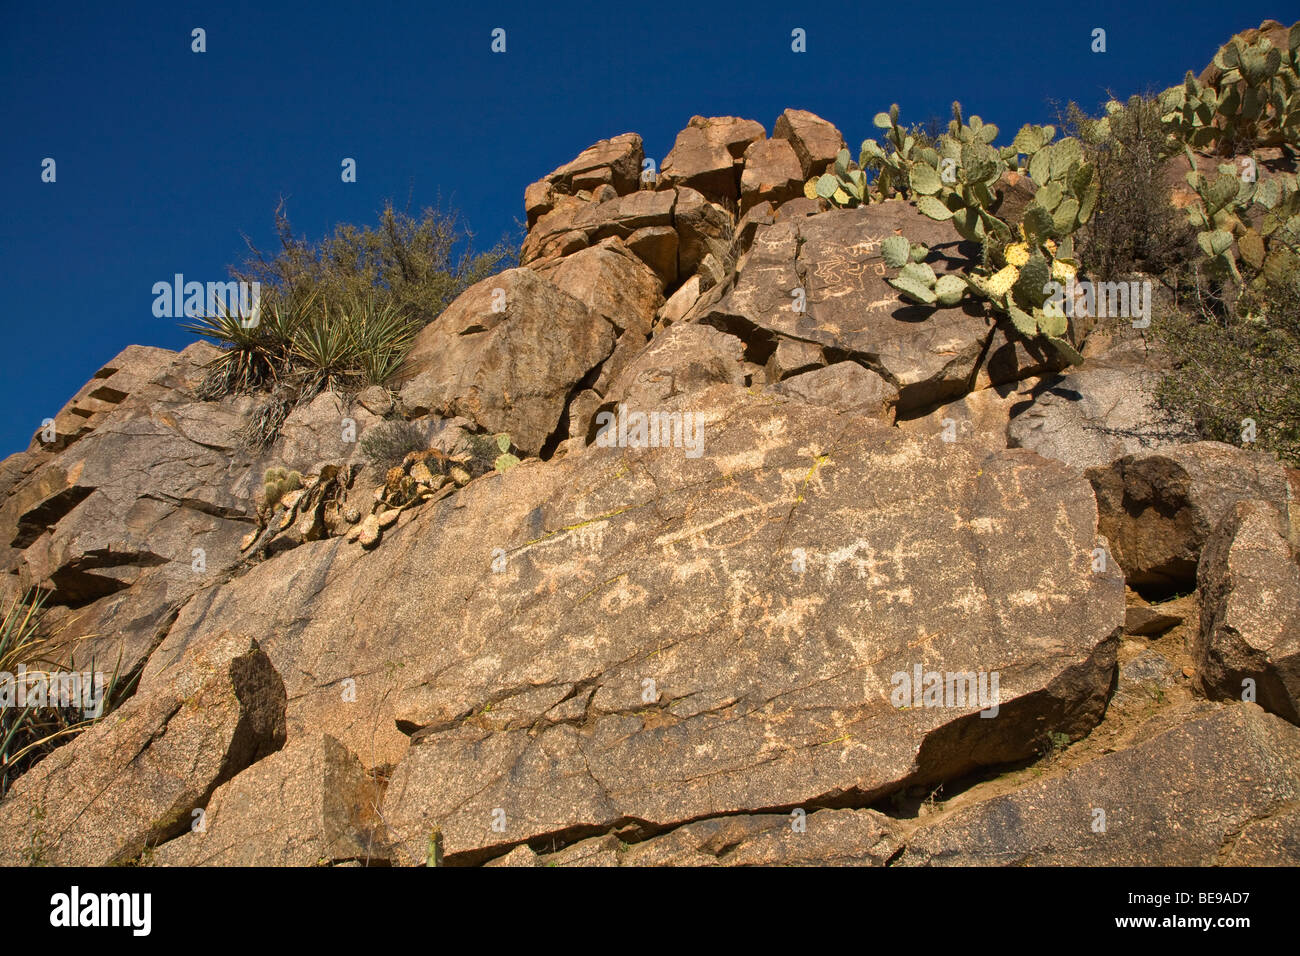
{"type": "Point", "coordinates": [29, 732]}
{"type": "Point", "coordinates": [245, 364]}
{"type": "Point", "coordinates": [382, 335]}
{"type": "Point", "coordinates": [325, 349]}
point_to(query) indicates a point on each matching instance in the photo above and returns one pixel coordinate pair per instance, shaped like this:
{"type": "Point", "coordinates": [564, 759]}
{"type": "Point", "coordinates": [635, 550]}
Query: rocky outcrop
{"type": "Point", "coordinates": [822, 280]}
{"type": "Point", "coordinates": [507, 354]}
{"type": "Point", "coordinates": [133, 780]}
{"type": "Point", "coordinates": [1187, 795]}
{"type": "Point", "coordinates": [1248, 644]}
{"type": "Point", "coordinates": [1159, 509]}
{"type": "Point", "coordinates": [1102, 411]}
{"type": "Point", "coordinates": [307, 805]}
{"type": "Point", "coordinates": [573, 666]}
{"type": "Point", "coordinates": [785, 557]}
{"type": "Point", "coordinates": [708, 155]}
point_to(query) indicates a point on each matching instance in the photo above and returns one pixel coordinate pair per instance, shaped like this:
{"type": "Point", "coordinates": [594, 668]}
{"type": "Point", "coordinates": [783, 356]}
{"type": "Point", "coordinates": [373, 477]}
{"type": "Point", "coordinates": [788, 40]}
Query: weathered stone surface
{"type": "Point", "coordinates": [707, 153]}
{"type": "Point", "coordinates": [1158, 509]}
{"type": "Point", "coordinates": [625, 215]}
{"type": "Point", "coordinates": [815, 141]}
{"type": "Point", "coordinates": [611, 281]}
{"type": "Point", "coordinates": [615, 161]}
{"type": "Point", "coordinates": [1142, 619]}
{"type": "Point", "coordinates": [1012, 195]}
{"type": "Point", "coordinates": [310, 804]}
{"type": "Point", "coordinates": [656, 246]}
{"type": "Point", "coordinates": [130, 372]}
{"type": "Point", "coordinates": [703, 228]}
{"type": "Point", "coordinates": [1178, 799]}
{"type": "Point", "coordinates": [318, 431]}
{"type": "Point", "coordinates": [574, 224]}
{"type": "Point", "coordinates": [928, 354]}
{"type": "Point", "coordinates": [1271, 842]}
{"type": "Point", "coordinates": [158, 494]}
{"type": "Point", "coordinates": [845, 387]}
{"type": "Point", "coordinates": [1099, 412]}
{"type": "Point", "coordinates": [509, 371]}
{"type": "Point", "coordinates": [680, 302]}
{"type": "Point", "coordinates": [1142, 679]}
{"type": "Point", "coordinates": [756, 218]}
{"type": "Point", "coordinates": [790, 357]}
{"type": "Point", "coordinates": [772, 174]}
{"type": "Point", "coordinates": [980, 417]}
{"type": "Point", "coordinates": [681, 359]}
{"type": "Point", "coordinates": [376, 400]}
{"type": "Point", "coordinates": [132, 780]}
{"type": "Point", "coordinates": [957, 575]}
{"type": "Point", "coordinates": [1249, 580]}
{"type": "Point", "coordinates": [831, 838]}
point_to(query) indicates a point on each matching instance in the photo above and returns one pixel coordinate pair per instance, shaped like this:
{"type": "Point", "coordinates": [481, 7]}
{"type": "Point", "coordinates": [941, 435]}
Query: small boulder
{"type": "Point", "coordinates": [816, 142]}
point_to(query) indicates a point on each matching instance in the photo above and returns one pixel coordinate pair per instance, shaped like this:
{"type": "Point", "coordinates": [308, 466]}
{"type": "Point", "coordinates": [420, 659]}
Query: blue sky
{"type": "Point", "coordinates": [165, 156]}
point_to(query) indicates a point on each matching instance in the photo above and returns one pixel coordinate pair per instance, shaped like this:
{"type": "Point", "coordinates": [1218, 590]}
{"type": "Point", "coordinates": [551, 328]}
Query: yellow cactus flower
{"type": "Point", "coordinates": [1000, 282]}
{"type": "Point", "coordinates": [1017, 253]}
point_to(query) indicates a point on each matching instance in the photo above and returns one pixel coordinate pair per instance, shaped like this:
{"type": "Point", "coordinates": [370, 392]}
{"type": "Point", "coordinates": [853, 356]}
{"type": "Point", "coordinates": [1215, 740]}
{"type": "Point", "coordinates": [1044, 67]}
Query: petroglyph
{"type": "Point", "coordinates": [844, 271]}
{"type": "Point", "coordinates": [750, 520]}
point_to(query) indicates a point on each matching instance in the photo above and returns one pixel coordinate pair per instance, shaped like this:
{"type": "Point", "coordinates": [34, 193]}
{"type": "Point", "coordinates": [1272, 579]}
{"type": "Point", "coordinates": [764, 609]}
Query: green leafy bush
{"type": "Point", "coordinates": [417, 265]}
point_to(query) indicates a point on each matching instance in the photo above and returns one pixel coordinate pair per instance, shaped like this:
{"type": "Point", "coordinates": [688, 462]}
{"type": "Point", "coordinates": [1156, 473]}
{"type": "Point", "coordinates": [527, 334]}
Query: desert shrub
{"type": "Point", "coordinates": [1237, 362]}
{"type": "Point", "coordinates": [386, 444]}
{"type": "Point", "coordinates": [415, 265]}
{"type": "Point", "coordinates": [343, 312]}
{"type": "Point", "coordinates": [29, 732]}
{"type": "Point", "coordinates": [1135, 227]}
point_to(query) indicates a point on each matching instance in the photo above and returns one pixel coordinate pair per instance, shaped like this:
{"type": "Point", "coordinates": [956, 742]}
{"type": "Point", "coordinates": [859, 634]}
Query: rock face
{"type": "Point", "coordinates": [1249, 638]}
{"type": "Point", "coordinates": [506, 354]}
{"type": "Point", "coordinates": [707, 155]}
{"type": "Point", "coordinates": [1159, 509]}
{"type": "Point", "coordinates": [823, 838]}
{"type": "Point", "coordinates": [308, 804]}
{"type": "Point", "coordinates": [1098, 413]}
{"type": "Point", "coordinates": [928, 355]}
{"type": "Point", "coordinates": [815, 142]}
{"type": "Point", "coordinates": [1186, 796]}
{"type": "Point", "coordinates": [845, 387]}
{"type": "Point", "coordinates": [139, 775]}
{"type": "Point", "coordinates": [615, 162]}
{"type": "Point", "coordinates": [784, 557]}
{"type": "Point", "coordinates": [572, 668]}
